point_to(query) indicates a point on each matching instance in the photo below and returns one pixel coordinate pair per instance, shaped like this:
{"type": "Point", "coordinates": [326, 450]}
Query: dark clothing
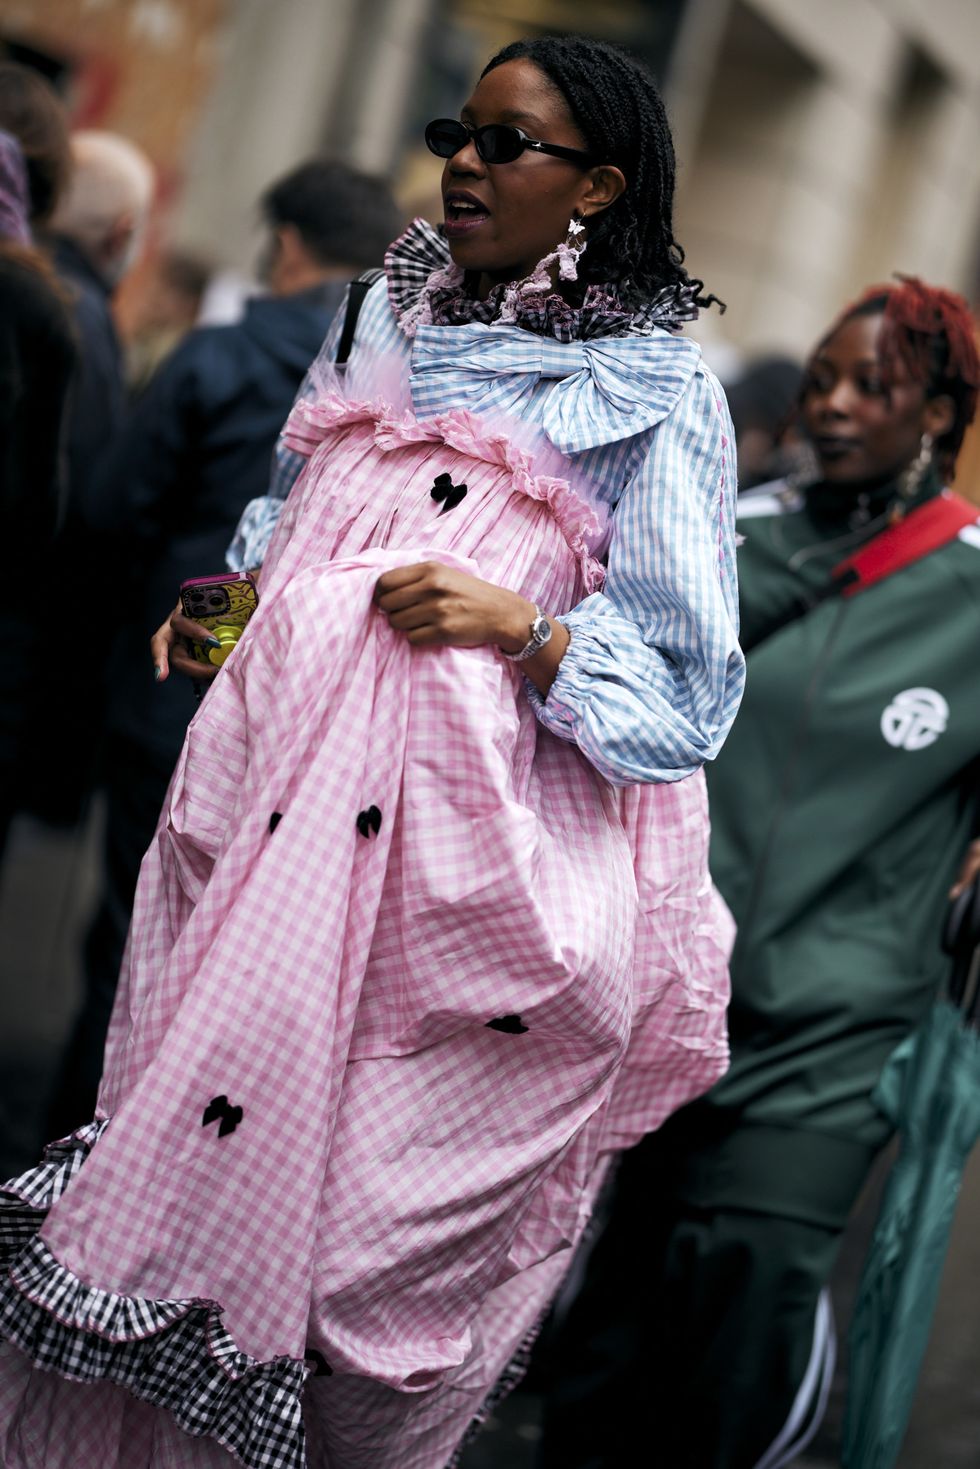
{"type": "Point", "coordinates": [840, 806]}
{"type": "Point", "coordinates": [136, 783]}
{"type": "Point", "coordinates": [37, 359]}
{"type": "Point", "coordinates": [197, 448]}
{"type": "Point", "coordinates": [695, 1325]}
{"type": "Point", "coordinates": [98, 399]}
{"type": "Point", "coordinates": [60, 772]}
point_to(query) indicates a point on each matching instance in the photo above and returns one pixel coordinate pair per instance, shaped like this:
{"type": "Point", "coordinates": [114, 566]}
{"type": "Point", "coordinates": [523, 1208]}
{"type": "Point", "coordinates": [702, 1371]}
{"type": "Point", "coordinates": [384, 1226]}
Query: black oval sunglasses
{"type": "Point", "coordinates": [496, 142]}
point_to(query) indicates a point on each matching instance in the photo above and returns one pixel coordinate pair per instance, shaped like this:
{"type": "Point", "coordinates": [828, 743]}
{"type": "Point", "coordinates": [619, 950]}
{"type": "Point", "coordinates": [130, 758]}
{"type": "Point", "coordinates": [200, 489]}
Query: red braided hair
{"type": "Point", "coordinates": [933, 333]}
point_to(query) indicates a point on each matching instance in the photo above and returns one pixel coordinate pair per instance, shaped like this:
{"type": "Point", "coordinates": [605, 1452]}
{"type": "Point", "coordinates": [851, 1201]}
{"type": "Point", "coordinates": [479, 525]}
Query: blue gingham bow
{"type": "Point", "coordinates": [609, 389]}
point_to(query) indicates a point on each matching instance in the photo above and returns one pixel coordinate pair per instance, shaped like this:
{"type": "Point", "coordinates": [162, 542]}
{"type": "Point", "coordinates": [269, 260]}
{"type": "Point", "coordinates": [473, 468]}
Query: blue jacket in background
{"type": "Point", "coordinates": [196, 449]}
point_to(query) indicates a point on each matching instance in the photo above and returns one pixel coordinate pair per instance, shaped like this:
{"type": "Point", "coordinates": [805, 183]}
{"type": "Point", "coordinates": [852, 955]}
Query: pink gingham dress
{"type": "Point", "coordinates": [405, 971]}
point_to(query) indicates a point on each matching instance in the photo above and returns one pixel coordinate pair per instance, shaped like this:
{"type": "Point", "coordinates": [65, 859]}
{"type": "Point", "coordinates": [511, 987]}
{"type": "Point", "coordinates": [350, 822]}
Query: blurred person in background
{"type": "Point", "coordinates": [197, 447]}
{"type": "Point", "coordinates": [37, 361]}
{"type": "Point", "coordinates": [762, 401]}
{"type": "Point", "coordinates": [425, 934]}
{"type": "Point", "coordinates": [840, 807]}
{"type": "Point", "coordinates": [168, 309]}
{"type": "Point", "coordinates": [94, 238]}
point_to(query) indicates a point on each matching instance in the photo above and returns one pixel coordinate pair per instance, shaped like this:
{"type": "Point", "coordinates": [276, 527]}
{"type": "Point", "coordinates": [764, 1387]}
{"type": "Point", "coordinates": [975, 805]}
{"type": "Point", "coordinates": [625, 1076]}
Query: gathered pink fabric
{"type": "Point", "coordinates": [435, 967]}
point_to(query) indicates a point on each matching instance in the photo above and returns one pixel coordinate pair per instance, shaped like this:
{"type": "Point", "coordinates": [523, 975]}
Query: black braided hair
{"type": "Point", "coordinates": [616, 106]}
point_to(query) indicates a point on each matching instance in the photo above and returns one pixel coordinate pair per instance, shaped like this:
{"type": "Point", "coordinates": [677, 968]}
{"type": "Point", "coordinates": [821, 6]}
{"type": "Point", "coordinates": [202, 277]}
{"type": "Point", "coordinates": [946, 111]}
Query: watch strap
{"type": "Point", "coordinates": [535, 643]}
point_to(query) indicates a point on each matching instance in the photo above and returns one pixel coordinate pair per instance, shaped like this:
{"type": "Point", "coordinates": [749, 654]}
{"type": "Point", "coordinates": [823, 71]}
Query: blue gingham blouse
{"type": "Point", "coordinates": [653, 674]}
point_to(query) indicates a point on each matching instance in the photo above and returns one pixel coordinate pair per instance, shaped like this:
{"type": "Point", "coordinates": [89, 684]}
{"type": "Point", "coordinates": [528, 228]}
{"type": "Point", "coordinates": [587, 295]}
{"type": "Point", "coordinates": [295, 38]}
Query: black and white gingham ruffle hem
{"type": "Point", "coordinates": [24, 1201]}
{"type": "Point", "coordinates": [173, 1354]}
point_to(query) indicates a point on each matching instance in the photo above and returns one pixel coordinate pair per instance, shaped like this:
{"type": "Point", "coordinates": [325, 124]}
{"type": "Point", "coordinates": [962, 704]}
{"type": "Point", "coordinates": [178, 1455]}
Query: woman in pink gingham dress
{"type": "Point", "coordinates": [425, 935]}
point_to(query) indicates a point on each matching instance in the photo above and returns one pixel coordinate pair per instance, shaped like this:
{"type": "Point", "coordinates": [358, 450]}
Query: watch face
{"type": "Point", "coordinates": [541, 629]}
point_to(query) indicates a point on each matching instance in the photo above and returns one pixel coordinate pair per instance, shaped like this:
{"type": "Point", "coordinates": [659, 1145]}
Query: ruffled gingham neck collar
{"type": "Point", "coordinates": [425, 288]}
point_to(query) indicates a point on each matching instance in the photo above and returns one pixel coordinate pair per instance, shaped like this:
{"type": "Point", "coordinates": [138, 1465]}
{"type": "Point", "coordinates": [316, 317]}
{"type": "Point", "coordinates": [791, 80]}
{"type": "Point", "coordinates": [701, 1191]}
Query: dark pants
{"type": "Point", "coordinates": [697, 1321]}
{"type": "Point", "coordinates": [135, 784]}
{"type": "Point", "coordinates": [21, 654]}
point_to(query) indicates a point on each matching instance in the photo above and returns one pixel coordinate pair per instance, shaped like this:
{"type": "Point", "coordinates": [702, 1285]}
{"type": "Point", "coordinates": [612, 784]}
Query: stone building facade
{"type": "Point", "coordinates": [822, 143]}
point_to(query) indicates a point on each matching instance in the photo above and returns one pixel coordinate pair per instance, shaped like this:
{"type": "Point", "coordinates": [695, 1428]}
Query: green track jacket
{"type": "Point", "coordinates": [841, 807]}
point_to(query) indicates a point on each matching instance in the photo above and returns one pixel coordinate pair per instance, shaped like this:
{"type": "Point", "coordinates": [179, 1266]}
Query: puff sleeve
{"type": "Point", "coordinates": [653, 675]}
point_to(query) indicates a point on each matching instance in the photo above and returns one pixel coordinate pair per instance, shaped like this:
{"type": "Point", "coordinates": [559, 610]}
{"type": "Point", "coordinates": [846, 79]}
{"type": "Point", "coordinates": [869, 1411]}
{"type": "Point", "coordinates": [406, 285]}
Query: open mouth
{"type": "Point", "coordinates": [832, 447]}
{"type": "Point", "coordinates": [464, 212]}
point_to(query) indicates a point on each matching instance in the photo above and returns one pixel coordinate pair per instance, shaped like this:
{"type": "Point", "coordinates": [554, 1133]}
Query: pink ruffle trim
{"type": "Point", "coordinates": [312, 419]}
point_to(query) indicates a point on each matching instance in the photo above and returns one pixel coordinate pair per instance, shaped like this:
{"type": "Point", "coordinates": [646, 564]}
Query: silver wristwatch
{"type": "Point", "coordinates": [540, 633]}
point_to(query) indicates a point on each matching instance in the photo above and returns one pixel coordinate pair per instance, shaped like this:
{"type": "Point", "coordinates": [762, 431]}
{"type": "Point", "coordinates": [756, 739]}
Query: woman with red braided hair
{"type": "Point", "coordinates": [840, 807]}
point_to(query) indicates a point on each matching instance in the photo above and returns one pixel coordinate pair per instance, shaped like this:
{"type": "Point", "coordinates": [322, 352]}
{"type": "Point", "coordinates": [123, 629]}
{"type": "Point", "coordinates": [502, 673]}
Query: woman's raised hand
{"type": "Point", "coordinates": [169, 652]}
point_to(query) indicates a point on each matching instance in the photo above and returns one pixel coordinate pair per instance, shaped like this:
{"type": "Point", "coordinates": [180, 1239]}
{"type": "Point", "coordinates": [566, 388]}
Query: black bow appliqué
{"type": "Point", "coordinates": [274, 820]}
{"type": "Point", "coordinates": [230, 1116]}
{"type": "Point", "coordinates": [447, 492]}
{"type": "Point", "coordinates": [509, 1024]}
{"type": "Point", "coordinates": [368, 821]}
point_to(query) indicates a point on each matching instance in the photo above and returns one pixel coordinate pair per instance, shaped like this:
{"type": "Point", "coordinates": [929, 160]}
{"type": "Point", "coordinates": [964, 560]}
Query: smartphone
{"type": "Point", "coordinates": [223, 604]}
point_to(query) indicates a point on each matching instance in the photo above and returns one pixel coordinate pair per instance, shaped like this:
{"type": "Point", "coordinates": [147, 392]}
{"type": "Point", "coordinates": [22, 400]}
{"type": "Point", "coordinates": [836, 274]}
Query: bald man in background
{"type": "Point", "coordinates": [95, 238]}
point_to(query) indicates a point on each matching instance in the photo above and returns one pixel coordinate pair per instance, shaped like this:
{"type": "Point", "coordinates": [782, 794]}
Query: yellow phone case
{"type": "Point", "coordinates": [222, 604]}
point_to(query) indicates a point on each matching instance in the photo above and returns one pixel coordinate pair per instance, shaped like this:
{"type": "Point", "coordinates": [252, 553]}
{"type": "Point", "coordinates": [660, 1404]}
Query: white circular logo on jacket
{"type": "Point", "coordinates": [914, 719]}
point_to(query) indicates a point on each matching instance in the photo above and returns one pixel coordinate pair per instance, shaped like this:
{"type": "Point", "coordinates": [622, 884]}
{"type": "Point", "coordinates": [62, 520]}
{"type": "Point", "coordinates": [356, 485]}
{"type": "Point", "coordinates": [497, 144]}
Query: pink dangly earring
{"type": "Point", "coordinates": [569, 250]}
{"type": "Point", "coordinates": [539, 282]}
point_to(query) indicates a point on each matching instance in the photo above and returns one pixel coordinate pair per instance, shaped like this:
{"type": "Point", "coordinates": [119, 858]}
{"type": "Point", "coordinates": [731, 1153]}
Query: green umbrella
{"type": "Point", "coordinates": [930, 1088]}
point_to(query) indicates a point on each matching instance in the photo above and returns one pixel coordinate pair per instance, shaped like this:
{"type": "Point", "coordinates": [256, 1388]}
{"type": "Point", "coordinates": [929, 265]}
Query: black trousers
{"type": "Point", "coordinates": [696, 1341]}
{"type": "Point", "coordinates": [136, 779]}
{"type": "Point", "coordinates": [21, 653]}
